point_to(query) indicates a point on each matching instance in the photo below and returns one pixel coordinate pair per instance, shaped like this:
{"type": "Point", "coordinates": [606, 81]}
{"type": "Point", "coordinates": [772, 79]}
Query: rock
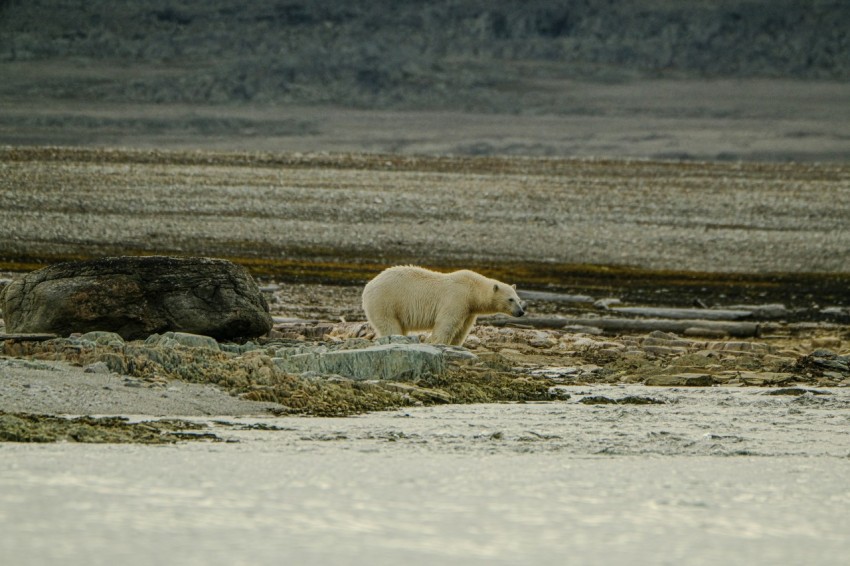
{"type": "Point", "coordinates": [139, 296]}
{"type": "Point", "coordinates": [826, 342]}
{"type": "Point", "coordinates": [496, 361]}
{"type": "Point", "coordinates": [559, 392]}
{"type": "Point", "coordinates": [831, 360]}
{"type": "Point", "coordinates": [396, 362]}
{"type": "Point", "coordinates": [839, 364]}
{"type": "Point", "coordinates": [824, 353]}
{"type": "Point", "coordinates": [606, 303]}
{"type": "Point", "coordinates": [578, 329]}
{"type": "Point", "coordinates": [97, 367]}
{"type": "Point", "coordinates": [597, 400]}
{"type": "Point", "coordinates": [663, 351]}
{"type": "Point", "coordinates": [172, 339]}
{"type": "Point", "coordinates": [397, 339]}
{"type": "Point", "coordinates": [239, 349]}
{"type": "Point", "coordinates": [836, 313]}
{"type": "Point", "coordinates": [540, 339]}
{"type": "Point", "coordinates": [114, 362]}
{"type": "Point", "coordinates": [682, 379]}
{"type": "Point", "coordinates": [639, 400]}
{"type": "Point", "coordinates": [627, 400]}
{"type": "Point", "coordinates": [103, 338]}
{"type": "Point", "coordinates": [738, 346]}
{"type": "Point", "coordinates": [29, 364]}
{"type": "Point", "coordinates": [457, 354]}
{"type": "Point", "coordinates": [432, 395]}
{"type": "Point", "coordinates": [764, 378]}
{"type": "Point", "coordinates": [555, 372]}
{"type": "Point", "coordinates": [309, 330]}
{"type": "Point", "coordinates": [796, 392]}
{"type": "Point", "coordinates": [668, 340]}
{"type": "Point", "coordinates": [509, 352]}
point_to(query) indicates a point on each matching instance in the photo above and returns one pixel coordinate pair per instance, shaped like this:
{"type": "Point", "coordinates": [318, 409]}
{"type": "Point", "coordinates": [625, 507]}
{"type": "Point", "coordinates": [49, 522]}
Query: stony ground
{"type": "Point", "coordinates": [340, 218]}
{"type": "Point", "coordinates": [314, 228]}
{"type": "Point", "coordinates": [509, 364]}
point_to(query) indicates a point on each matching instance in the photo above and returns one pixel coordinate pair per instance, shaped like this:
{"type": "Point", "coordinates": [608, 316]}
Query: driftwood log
{"type": "Point", "coordinates": [691, 327]}
{"type": "Point", "coordinates": [684, 314]}
{"type": "Point", "coordinates": [27, 337]}
{"type": "Point", "coordinates": [732, 313]}
{"type": "Point", "coordinates": [553, 297]}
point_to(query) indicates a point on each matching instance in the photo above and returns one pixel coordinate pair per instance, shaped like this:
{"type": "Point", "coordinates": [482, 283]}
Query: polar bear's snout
{"type": "Point", "coordinates": [519, 308]}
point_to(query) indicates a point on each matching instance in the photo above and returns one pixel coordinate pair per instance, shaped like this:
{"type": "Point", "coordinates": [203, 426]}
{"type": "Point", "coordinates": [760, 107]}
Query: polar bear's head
{"type": "Point", "coordinates": [506, 300]}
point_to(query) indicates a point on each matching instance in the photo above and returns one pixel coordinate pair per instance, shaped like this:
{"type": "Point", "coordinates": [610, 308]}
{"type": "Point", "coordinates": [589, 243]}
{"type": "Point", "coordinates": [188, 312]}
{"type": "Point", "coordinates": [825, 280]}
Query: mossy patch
{"type": "Point", "coordinates": [327, 397]}
{"type": "Point", "coordinates": [469, 385]}
{"type": "Point", "coordinates": [342, 397]}
{"type": "Point", "coordinates": [26, 427]}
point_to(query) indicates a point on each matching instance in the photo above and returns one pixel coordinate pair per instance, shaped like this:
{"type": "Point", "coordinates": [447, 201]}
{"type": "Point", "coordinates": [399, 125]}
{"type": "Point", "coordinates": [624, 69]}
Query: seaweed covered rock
{"type": "Point", "coordinates": [139, 296]}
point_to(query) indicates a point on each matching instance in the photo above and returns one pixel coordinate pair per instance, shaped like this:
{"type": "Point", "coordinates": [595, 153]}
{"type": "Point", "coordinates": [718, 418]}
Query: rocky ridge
{"type": "Point", "coordinates": [343, 372]}
{"type": "Point", "coordinates": [314, 361]}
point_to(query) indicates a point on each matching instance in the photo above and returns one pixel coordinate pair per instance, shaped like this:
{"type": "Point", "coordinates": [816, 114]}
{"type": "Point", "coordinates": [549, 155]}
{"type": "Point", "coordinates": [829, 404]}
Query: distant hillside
{"type": "Point", "coordinates": [405, 53]}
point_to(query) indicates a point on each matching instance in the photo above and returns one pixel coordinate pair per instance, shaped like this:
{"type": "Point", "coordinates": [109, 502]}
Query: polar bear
{"type": "Point", "coordinates": [407, 298]}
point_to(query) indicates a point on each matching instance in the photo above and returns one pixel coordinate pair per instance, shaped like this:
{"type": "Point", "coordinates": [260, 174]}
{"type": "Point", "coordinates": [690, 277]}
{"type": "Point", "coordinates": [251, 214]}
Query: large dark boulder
{"type": "Point", "coordinates": [138, 296]}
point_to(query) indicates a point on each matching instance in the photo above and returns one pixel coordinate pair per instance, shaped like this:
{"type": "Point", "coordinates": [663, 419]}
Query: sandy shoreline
{"type": "Point", "coordinates": [493, 484]}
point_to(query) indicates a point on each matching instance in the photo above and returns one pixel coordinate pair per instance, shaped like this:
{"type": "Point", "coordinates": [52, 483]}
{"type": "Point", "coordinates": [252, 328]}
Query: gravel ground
{"type": "Point", "coordinates": [371, 209]}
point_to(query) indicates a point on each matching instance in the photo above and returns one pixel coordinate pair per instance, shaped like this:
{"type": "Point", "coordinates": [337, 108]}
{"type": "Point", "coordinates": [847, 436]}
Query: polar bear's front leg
{"type": "Point", "coordinates": [461, 335]}
{"type": "Point", "coordinates": [445, 329]}
{"type": "Point", "coordinates": [451, 330]}
{"type": "Point", "coordinates": [386, 326]}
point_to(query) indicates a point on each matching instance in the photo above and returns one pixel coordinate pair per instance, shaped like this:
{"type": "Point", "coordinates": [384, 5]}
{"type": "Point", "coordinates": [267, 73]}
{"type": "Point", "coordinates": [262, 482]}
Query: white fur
{"type": "Point", "coordinates": [406, 298]}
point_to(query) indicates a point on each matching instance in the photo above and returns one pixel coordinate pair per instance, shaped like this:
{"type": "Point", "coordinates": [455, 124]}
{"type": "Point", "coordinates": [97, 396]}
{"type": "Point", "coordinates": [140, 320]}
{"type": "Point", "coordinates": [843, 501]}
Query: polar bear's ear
{"type": "Point", "coordinates": [495, 288]}
{"type": "Point", "coordinates": [514, 286]}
